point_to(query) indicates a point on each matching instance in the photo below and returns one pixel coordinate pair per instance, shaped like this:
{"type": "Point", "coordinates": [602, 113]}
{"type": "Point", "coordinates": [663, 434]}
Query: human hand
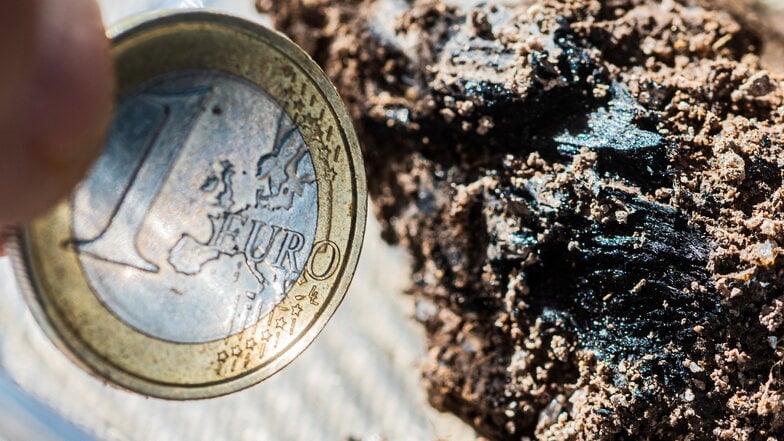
{"type": "Point", "coordinates": [55, 101]}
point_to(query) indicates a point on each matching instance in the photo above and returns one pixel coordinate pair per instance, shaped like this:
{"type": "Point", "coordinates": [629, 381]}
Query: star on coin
{"type": "Point", "coordinates": [295, 310]}
{"type": "Point", "coordinates": [330, 173]}
{"type": "Point", "coordinates": [280, 323]}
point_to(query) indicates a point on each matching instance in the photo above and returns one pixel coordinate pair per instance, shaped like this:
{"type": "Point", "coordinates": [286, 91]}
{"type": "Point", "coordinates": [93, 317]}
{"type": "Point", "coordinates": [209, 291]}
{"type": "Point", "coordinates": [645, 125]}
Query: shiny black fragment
{"type": "Point", "coordinates": [628, 288]}
{"type": "Point", "coordinates": [623, 135]}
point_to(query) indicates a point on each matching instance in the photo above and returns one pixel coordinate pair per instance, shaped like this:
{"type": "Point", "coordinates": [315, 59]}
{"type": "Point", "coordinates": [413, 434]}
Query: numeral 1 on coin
{"type": "Point", "coordinates": [180, 111]}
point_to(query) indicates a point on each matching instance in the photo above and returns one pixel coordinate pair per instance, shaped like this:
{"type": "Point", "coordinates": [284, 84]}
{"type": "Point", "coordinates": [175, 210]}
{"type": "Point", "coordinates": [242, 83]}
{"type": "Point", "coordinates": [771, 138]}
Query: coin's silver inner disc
{"type": "Point", "coordinates": [202, 210]}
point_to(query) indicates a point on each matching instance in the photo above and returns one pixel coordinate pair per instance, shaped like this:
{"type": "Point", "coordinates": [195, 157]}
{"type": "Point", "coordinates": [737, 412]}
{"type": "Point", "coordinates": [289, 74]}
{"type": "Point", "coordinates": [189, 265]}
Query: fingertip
{"type": "Point", "coordinates": [56, 126]}
{"type": "Point", "coordinates": [73, 80]}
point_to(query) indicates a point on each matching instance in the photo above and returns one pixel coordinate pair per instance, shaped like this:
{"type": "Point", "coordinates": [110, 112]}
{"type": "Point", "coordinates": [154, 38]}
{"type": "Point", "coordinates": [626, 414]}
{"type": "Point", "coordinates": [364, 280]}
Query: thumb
{"type": "Point", "coordinates": [55, 101]}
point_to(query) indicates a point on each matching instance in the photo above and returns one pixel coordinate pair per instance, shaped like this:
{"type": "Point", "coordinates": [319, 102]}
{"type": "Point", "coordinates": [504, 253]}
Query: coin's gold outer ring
{"type": "Point", "coordinates": [83, 328]}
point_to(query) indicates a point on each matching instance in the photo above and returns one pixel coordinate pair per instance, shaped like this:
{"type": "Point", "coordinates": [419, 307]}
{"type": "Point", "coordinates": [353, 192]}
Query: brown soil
{"type": "Point", "coordinates": [592, 195]}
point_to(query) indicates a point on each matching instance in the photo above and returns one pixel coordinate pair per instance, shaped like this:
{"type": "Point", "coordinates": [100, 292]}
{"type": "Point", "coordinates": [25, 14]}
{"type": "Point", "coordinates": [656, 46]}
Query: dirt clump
{"type": "Point", "coordinates": [592, 196]}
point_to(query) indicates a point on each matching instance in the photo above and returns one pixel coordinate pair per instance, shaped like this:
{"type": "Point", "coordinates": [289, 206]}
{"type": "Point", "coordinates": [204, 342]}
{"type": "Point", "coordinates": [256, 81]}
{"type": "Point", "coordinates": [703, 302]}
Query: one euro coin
{"type": "Point", "coordinates": [219, 229]}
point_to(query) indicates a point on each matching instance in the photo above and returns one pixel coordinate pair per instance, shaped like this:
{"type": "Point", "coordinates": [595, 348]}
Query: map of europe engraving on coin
{"type": "Point", "coordinates": [196, 212]}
